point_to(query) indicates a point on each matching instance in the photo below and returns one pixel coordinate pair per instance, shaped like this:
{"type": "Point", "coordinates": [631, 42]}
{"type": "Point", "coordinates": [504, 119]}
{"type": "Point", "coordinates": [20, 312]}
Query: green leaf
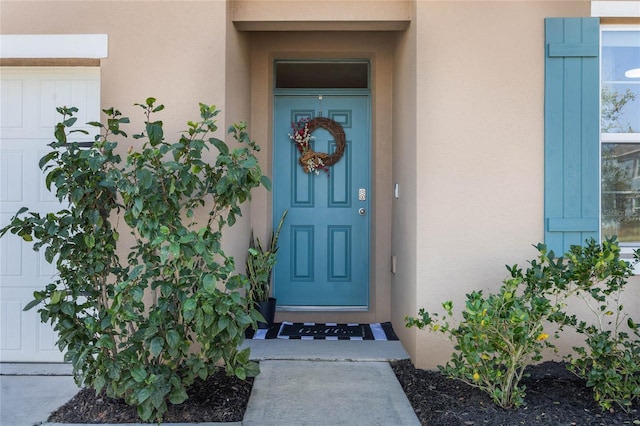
{"type": "Point", "coordinates": [173, 338]}
{"type": "Point", "coordinates": [252, 369]}
{"type": "Point", "coordinates": [266, 182]}
{"type": "Point", "coordinates": [240, 373]}
{"type": "Point", "coordinates": [60, 134]}
{"type": "Point", "coordinates": [178, 396]}
{"type": "Point", "coordinates": [145, 410]}
{"type": "Point", "coordinates": [98, 383]}
{"type": "Point", "coordinates": [139, 373]}
{"type": "Point", "coordinates": [155, 132]}
{"type": "Point", "coordinates": [135, 272]}
{"type": "Point", "coordinates": [209, 283]}
{"type": "Point", "coordinates": [48, 157]}
{"type": "Point", "coordinates": [144, 394]}
{"type": "Point", "coordinates": [138, 204]}
{"type": "Point", "coordinates": [174, 249]}
{"type": "Point", "coordinates": [223, 322]}
{"type": "Point", "coordinates": [222, 147]}
{"type": "Point", "coordinates": [89, 240]}
{"type": "Point", "coordinates": [156, 345]}
{"type": "Point", "coordinates": [68, 308]}
{"type": "Point", "coordinates": [145, 178]}
{"type": "Point", "coordinates": [137, 293]}
{"type": "Point", "coordinates": [33, 303]}
{"type": "Point", "coordinates": [189, 304]}
{"type": "Point", "coordinates": [56, 297]}
{"type": "Point", "coordinates": [187, 238]}
{"type": "Point", "coordinates": [70, 121]}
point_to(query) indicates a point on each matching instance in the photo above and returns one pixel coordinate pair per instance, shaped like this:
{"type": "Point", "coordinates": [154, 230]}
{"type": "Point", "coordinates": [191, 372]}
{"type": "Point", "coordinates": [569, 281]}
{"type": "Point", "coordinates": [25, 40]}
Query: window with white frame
{"type": "Point", "coordinates": [620, 133]}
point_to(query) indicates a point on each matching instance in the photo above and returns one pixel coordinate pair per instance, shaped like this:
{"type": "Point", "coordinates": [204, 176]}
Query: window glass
{"type": "Point", "coordinates": [621, 191]}
{"type": "Point", "coordinates": [322, 75]}
{"type": "Point", "coordinates": [620, 134]}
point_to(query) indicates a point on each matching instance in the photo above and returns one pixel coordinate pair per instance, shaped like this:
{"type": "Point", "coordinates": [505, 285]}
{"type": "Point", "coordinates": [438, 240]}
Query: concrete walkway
{"type": "Point", "coordinates": [302, 383]}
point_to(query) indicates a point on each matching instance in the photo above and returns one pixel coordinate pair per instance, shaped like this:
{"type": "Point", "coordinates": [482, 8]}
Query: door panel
{"type": "Point", "coordinates": [323, 259]}
{"type": "Point", "coordinates": [28, 97]}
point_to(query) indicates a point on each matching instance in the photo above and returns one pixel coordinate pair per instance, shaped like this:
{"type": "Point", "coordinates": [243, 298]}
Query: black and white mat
{"type": "Point", "coordinates": [325, 331]}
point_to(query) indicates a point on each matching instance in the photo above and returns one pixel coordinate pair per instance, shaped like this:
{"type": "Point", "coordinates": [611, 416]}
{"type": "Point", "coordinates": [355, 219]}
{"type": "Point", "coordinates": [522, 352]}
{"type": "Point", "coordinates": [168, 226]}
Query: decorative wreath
{"type": "Point", "coordinates": [311, 160]}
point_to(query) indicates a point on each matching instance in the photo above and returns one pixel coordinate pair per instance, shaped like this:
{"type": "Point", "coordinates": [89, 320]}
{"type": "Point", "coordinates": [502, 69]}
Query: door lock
{"type": "Point", "coordinates": [362, 194]}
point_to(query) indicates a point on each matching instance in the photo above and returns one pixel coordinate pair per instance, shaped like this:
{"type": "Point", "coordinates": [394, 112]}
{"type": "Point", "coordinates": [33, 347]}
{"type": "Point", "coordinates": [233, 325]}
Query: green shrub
{"type": "Point", "coordinates": [145, 328]}
{"type": "Point", "coordinates": [610, 361]}
{"type": "Point", "coordinates": [500, 334]}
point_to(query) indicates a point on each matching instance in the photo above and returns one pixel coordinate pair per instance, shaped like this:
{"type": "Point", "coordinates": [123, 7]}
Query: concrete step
{"type": "Point", "coordinates": [326, 350]}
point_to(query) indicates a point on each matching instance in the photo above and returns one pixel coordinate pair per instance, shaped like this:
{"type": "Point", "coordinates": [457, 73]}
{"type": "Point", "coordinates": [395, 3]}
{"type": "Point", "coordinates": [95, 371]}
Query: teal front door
{"type": "Point", "coordinates": [323, 259]}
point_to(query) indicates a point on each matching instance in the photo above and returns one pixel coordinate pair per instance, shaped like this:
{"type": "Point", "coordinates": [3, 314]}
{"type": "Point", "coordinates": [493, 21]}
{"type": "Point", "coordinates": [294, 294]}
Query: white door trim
{"type": "Point", "coordinates": [36, 46]}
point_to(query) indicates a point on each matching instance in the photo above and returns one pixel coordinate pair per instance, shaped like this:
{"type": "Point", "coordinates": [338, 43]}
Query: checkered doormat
{"type": "Point", "coordinates": [325, 331]}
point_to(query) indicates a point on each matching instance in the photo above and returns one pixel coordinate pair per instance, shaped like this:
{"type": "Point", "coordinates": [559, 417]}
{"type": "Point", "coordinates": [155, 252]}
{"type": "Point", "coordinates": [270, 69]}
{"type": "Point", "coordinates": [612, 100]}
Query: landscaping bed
{"type": "Point", "coordinates": [554, 397]}
{"type": "Point", "coordinates": [220, 398]}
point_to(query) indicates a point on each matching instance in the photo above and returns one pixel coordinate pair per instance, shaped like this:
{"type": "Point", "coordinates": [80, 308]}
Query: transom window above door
{"type": "Point", "coordinates": [321, 74]}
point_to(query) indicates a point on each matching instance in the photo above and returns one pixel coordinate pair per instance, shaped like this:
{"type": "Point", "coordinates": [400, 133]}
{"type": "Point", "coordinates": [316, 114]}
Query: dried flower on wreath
{"type": "Point", "coordinates": [310, 160]}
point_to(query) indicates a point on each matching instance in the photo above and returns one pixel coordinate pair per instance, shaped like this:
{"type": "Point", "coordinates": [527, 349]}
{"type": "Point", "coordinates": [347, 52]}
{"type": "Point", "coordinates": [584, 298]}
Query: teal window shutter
{"type": "Point", "coordinates": [571, 132]}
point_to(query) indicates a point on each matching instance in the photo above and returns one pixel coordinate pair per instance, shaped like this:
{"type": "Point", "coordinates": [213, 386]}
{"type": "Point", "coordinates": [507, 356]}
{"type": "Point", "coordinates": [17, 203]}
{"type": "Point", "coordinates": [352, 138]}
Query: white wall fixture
{"type": "Point", "coordinates": [615, 9]}
{"type": "Point", "coordinates": [42, 46]}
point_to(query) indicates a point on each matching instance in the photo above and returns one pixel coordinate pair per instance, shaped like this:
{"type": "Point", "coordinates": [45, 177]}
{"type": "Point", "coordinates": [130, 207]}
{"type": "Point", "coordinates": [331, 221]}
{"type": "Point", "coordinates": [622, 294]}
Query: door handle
{"type": "Point", "coordinates": [362, 211]}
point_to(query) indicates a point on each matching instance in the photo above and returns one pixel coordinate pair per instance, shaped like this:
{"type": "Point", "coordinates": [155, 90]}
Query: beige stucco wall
{"type": "Point", "coordinates": [181, 52]}
{"type": "Point", "coordinates": [404, 238]}
{"type": "Point", "coordinates": [479, 151]}
{"type": "Point", "coordinates": [174, 51]}
{"type": "Point", "coordinates": [457, 114]}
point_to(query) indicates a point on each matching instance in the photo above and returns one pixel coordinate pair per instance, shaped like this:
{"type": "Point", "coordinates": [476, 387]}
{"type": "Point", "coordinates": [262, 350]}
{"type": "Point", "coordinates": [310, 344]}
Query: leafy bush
{"type": "Point", "coordinates": [260, 263]}
{"type": "Point", "coordinates": [146, 328]}
{"type": "Point", "coordinates": [610, 362]}
{"type": "Point", "coordinates": [502, 333]}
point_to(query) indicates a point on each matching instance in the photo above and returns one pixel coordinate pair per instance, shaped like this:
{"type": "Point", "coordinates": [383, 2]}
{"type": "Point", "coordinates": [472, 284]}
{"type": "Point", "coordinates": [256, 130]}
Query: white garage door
{"type": "Point", "coordinates": [28, 98]}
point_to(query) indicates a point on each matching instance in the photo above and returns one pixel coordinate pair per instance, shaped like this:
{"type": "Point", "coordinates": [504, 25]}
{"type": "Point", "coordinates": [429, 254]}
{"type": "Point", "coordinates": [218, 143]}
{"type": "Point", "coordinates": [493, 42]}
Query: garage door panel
{"type": "Point", "coordinates": [22, 183]}
{"type": "Point", "coordinates": [27, 120]}
{"type": "Point", "coordinates": [44, 196]}
{"type": "Point", "coordinates": [30, 97]}
{"type": "Point", "coordinates": [11, 105]}
{"type": "Point", "coordinates": [11, 173]}
{"type": "Point", "coordinates": [11, 247]}
{"type": "Point", "coordinates": [22, 336]}
{"type": "Point", "coordinates": [46, 271]}
{"type": "Point", "coordinates": [56, 93]}
{"type": "Point", "coordinates": [11, 336]}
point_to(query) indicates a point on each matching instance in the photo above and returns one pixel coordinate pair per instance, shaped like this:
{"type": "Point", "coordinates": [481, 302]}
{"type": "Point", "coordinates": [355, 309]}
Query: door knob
{"type": "Point", "coordinates": [362, 211]}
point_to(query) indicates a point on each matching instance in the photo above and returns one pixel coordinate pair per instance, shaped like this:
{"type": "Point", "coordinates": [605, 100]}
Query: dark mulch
{"type": "Point", "coordinates": [218, 399]}
{"type": "Point", "coordinates": [555, 396]}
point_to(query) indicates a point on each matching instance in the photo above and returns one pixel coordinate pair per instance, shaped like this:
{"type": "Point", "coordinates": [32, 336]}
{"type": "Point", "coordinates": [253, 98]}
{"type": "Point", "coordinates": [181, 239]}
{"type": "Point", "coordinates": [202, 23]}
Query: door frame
{"type": "Point", "coordinates": [276, 215]}
{"type": "Point", "coordinates": [379, 49]}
